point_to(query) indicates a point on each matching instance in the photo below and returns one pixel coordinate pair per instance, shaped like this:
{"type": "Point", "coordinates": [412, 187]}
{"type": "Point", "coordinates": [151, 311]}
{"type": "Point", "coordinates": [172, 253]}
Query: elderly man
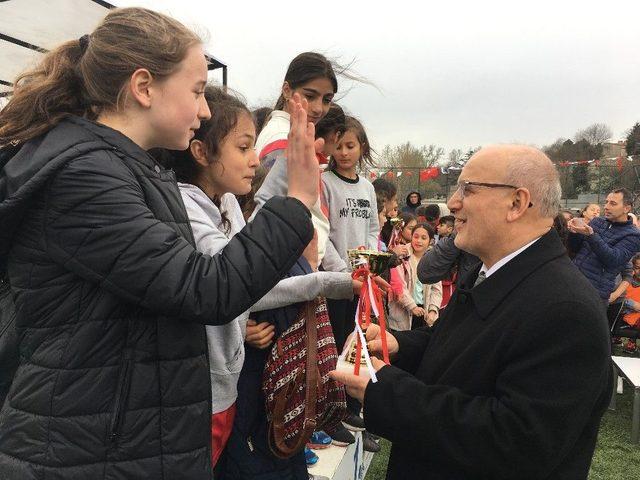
{"type": "Point", "coordinates": [513, 381]}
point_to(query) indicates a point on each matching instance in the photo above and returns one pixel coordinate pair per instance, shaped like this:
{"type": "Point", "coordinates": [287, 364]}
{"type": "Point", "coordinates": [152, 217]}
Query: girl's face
{"type": "Point", "coordinates": [406, 231]}
{"type": "Point", "coordinates": [237, 162]}
{"type": "Point", "coordinates": [347, 152]}
{"type": "Point", "coordinates": [391, 207]}
{"type": "Point", "coordinates": [177, 104]}
{"type": "Point", "coordinates": [420, 240]}
{"type": "Point", "coordinates": [318, 93]}
{"type": "Point", "coordinates": [592, 212]}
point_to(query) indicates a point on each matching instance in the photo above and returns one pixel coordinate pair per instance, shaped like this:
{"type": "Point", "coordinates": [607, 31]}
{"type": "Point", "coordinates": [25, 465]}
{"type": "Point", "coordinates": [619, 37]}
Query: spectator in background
{"type": "Point", "coordinates": [567, 214]}
{"type": "Point", "coordinates": [631, 307]}
{"type": "Point", "coordinates": [445, 227]}
{"type": "Point", "coordinates": [606, 244]}
{"type": "Point", "coordinates": [432, 214]}
{"type": "Point", "coordinates": [419, 304]}
{"type": "Point", "coordinates": [590, 211]}
{"type": "Point", "coordinates": [414, 200]}
{"type": "Point", "coordinates": [388, 193]}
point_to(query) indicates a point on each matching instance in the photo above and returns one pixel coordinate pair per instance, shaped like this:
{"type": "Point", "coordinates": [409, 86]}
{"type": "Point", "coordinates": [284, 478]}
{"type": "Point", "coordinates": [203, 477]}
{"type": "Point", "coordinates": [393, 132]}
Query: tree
{"type": "Point", "coordinates": [633, 140]}
{"type": "Point", "coordinates": [595, 134]}
{"type": "Point", "coordinates": [455, 156]}
{"type": "Point", "coordinates": [413, 159]}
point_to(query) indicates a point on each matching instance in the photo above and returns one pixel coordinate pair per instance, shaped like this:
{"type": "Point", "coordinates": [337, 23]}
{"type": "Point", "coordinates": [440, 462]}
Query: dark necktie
{"type": "Point", "coordinates": [482, 276]}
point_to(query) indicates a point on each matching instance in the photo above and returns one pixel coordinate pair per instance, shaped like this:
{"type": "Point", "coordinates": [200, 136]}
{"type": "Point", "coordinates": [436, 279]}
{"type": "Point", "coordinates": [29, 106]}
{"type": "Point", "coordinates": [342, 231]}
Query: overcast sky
{"type": "Point", "coordinates": [454, 74]}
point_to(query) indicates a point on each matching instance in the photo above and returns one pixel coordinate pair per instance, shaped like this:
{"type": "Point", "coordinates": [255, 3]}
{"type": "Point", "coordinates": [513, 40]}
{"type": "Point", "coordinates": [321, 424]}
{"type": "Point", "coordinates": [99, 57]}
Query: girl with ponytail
{"type": "Point", "coordinates": [111, 295]}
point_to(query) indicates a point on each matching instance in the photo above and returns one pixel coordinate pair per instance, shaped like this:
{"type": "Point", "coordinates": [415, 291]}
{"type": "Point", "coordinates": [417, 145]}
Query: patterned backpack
{"type": "Point", "coordinates": [299, 395]}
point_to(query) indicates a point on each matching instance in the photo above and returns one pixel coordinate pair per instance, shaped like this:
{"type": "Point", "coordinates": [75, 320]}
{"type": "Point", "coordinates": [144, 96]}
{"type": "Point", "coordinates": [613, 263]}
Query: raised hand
{"type": "Point", "coordinates": [302, 164]}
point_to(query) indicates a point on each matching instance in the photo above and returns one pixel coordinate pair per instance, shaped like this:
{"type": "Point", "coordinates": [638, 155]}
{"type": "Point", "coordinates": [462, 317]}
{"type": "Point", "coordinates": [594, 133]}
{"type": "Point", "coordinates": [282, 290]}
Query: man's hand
{"type": "Point", "coordinates": [374, 341]}
{"type": "Point", "coordinates": [431, 317]}
{"type": "Point", "coordinates": [578, 225]}
{"type": "Point", "coordinates": [356, 384]}
{"type": "Point", "coordinates": [417, 311]}
{"type": "Point", "coordinates": [259, 335]}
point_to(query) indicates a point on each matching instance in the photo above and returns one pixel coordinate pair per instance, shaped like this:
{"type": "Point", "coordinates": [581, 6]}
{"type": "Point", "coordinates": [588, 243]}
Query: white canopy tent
{"type": "Point", "coordinates": [28, 28]}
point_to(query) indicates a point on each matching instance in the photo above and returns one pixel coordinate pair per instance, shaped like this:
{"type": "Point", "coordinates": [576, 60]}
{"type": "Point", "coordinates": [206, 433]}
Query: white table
{"type": "Point", "coordinates": [629, 368]}
{"type": "Point", "coordinates": [343, 463]}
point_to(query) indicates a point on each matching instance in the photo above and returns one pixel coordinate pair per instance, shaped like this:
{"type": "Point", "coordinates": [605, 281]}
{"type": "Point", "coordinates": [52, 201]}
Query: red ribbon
{"type": "Point", "coordinates": [363, 274]}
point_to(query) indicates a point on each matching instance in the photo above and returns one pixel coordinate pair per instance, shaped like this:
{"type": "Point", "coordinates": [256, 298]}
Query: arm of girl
{"type": "Point", "coordinates": [98, 225]}
{"type": "Point", "coordinates": [335, 285]}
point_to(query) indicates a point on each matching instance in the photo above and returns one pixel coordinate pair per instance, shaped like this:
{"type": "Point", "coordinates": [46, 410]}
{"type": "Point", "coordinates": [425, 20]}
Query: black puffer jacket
{"type": "Point", "coordinates": [112, 299]}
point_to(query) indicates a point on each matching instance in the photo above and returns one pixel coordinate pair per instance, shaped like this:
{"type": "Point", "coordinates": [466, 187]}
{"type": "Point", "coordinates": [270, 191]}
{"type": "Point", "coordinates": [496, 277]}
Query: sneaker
{"type": "Point", "coordinates": [630, 347]}
{"type": "Point", "coordinates": [319, 440]}
{"type": "Point", "coordinates": [354, 422]}
{"type": "Point", "coordinates": [369, 444]}
{"type": "Point", "coordinates": [310, 457]}
{"type": "Point", "coordinates": [342, 437]}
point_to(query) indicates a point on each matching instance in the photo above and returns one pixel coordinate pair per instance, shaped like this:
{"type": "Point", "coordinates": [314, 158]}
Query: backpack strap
{"type": "Point", "coordinates": [311, 379]}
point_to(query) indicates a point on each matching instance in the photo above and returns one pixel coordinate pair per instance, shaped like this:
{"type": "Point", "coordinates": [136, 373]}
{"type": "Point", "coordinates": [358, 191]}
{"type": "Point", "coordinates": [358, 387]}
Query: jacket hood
{"type": "Point", "coordinates": [413, 205]}
{"type": "Point", "coordinates": [37, 161]}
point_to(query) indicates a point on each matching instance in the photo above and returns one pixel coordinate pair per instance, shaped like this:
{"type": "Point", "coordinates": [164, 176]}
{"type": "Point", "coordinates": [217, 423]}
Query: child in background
{"type": "Point", "coordinates": [350, 197]}
{"type": "Point", "coordinates": [419, 304]}
{"type": "Point", "coordinates": [351, 201]}
{"type": "Point", "coordinates": [310, 75]}
{"type": "Point", "coordinates": [445, 227]}
{"type": "Point", "coordinates": [389, 193]}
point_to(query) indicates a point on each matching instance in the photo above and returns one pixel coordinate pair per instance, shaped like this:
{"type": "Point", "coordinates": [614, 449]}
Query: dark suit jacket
{"type": "Point", "coordinates": [511, 384]}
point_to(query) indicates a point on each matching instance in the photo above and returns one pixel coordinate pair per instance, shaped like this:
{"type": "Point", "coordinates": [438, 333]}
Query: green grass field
{"type": "Point", "coordinates": [615, 457]}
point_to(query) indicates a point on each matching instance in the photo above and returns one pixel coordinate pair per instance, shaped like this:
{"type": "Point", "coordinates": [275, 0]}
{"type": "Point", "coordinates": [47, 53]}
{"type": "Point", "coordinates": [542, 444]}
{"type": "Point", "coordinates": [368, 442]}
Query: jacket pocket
{"type": "Point", "coordinates": [122, 393]}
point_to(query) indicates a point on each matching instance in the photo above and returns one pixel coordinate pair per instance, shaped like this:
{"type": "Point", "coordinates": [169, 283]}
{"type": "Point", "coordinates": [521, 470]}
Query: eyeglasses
{"type": "Point", "coordinates": [463, 187]}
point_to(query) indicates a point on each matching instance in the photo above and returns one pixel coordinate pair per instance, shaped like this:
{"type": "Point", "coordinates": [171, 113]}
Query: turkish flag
{"type": "Point", "coordinates": [428, 173]}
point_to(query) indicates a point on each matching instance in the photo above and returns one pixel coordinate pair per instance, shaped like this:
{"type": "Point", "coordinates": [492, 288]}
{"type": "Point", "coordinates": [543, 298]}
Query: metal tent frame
{"type": "Point", "coordinates": [22, 43]}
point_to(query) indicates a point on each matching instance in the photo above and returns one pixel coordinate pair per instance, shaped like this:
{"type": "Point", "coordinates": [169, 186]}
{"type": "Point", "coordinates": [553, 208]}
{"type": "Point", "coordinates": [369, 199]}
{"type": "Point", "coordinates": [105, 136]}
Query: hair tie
{"type": "Point", "coordinates": [84, 43]}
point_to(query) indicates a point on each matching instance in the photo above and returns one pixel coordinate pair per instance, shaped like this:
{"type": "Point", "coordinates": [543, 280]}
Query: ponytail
{"type": "Point", "coordinates": [44, 96]}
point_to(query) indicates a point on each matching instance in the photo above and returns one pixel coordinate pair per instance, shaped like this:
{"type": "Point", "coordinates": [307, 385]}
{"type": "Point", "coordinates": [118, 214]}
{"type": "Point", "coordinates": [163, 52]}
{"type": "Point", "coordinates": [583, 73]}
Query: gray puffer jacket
{"type": "Point", "coordinates": [112, 299]}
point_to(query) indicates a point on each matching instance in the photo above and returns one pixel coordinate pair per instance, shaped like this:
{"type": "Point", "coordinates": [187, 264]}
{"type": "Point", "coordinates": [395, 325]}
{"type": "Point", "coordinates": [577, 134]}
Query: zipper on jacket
{"type": "Point", "coordinates": [250, 443]}
{"type": "Point", "coordinates": [124, 381]}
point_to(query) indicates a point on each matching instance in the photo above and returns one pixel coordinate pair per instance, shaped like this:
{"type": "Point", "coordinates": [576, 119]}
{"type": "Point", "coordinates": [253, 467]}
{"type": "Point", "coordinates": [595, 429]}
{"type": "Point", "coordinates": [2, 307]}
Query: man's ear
{"type": "Point", "coordinates": [140, 87]}
{"type": "Point", "coordinates": [520, 204]}
{"type": "Point", "coordinates": [199, 152]}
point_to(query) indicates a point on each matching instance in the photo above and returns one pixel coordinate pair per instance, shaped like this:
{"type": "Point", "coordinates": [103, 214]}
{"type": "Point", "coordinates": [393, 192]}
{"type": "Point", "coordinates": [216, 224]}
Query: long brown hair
{"type": "Point", "coordinates": [87, 76]}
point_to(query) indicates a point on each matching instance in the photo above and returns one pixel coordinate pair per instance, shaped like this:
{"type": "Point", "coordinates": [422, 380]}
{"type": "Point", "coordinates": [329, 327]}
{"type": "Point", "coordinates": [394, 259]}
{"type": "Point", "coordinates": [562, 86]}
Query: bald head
{"type": "Point", "coordinates": [524, 167]}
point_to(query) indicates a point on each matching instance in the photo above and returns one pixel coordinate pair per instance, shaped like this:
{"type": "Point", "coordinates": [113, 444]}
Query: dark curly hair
{"type": "Point", "coordinates": [225, 112]}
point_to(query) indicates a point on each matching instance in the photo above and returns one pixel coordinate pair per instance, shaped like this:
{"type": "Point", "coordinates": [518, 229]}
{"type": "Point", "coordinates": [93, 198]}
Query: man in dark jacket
{"type": "Point", "coordinates": [514, 379]}
{"type": "Point", "coordinates": [112, 299]}
{"type": "Point", "coordinates": [606, 244]}
{"type": "Point", "coordinates": [414, 200]}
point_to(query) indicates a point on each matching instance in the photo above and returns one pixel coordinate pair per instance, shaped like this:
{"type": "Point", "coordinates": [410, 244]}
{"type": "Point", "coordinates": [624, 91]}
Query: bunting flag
{"type": "Point", "coordinates": [597, 162]}
{"type": "Point", "coordinates": [399, 174]}
{"type": "Point", "coordinates": [373, 175]}
{"type": "Point", "coordinates": [428, 173]}
{"type": "Point", "coordinates": [390, 175]}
